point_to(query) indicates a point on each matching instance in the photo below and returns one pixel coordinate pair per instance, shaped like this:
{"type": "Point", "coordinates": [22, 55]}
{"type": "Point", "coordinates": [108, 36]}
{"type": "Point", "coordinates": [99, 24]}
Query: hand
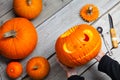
{"type": "Point", "coordinates": [100, 55]}
{"type": "Point", "coordinates": [69, 71]}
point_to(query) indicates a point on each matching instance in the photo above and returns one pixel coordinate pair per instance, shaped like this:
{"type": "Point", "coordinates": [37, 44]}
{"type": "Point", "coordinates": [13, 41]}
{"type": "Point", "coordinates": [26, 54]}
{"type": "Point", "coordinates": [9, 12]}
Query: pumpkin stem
{"type": "Point", "coordinates": [90, 9]}
{"type": "Point", "coordinates": [35, 67]}
{"type": "Point", "coordinates": [11, 33]}
{"type": "Point", "coordinates": [29, 2]}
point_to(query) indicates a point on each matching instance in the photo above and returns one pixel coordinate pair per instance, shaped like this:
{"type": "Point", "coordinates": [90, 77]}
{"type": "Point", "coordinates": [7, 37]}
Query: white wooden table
{"type": "Point", "coordinates": [58, 16]}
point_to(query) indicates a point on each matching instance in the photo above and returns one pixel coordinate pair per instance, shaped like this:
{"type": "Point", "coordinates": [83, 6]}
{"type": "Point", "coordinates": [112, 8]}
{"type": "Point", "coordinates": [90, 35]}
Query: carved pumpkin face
{"type": "Point", "coordinates": [78, 45]}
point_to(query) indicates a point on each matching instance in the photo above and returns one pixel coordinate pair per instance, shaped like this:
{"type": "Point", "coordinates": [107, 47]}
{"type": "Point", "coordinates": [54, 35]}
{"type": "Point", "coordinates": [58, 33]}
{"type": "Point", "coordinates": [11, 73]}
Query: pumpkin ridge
{"type": "Point", "coordinates": [15, 48]}
{"type": "Point", "coordinates": [90, 53]}
{"type": "Point", "coordinates": [8, 54]}
{"type": "Point", "coordinates": [70, 57]}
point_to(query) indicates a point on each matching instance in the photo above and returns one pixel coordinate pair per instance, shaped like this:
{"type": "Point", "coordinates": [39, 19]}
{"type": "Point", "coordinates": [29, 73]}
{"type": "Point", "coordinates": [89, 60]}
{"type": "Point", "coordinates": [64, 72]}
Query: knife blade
{"type": "Point", "coordinates": [113, 32]}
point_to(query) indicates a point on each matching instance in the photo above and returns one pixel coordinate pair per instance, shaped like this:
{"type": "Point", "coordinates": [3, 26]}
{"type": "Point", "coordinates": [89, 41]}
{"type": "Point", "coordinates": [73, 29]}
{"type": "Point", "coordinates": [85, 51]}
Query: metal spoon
{"type": "Point", "coordinates": [100, 30]}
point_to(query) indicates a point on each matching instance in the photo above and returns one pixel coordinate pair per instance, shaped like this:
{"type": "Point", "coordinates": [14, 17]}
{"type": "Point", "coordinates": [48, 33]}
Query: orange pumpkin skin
{"type": "Point", "coordinates": [23, 43]}
{"type": "Point", "coordinates": [29, 9]}
{"type": "Point", "coordinates": [14, 70]}
{"type": "Point", "coordinates": [78, 45]}
{"type": "Point", "coordinates": [38, 68]}
{"type": "Point", "coordinates": [89, 16]}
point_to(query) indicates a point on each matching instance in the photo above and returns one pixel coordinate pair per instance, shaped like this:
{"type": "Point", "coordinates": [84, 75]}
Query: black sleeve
{"type": "Point", "coordinates": [110, 67]}
{"type": "Point", "coordinates": [76, 77]}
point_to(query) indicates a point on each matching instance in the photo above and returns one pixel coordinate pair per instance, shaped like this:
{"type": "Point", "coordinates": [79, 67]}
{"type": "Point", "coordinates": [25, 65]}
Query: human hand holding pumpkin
{"type": "Point", "coordinates": [69, 71]}
{"type": "Point", "coordinates": [100, 55]}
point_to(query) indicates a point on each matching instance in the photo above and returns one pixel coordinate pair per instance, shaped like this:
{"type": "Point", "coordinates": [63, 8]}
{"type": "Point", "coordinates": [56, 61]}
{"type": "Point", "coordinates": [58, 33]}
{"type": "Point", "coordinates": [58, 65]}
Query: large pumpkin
{"type": "Point", "coordinates": [27, 8]}
{"type": "Point", "coordinates": [18, 38]}
{"type": "Point", "coordinates": [78, 45]}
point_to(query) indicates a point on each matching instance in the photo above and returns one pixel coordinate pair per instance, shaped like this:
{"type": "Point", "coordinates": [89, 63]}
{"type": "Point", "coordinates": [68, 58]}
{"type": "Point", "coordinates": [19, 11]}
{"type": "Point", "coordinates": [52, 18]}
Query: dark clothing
{"type": "Point", "coordinates": [106, 65]}
{"type": "Point", "coordinates": [110, 67]}
{"type": "Point", "coordinates": [76, 77]}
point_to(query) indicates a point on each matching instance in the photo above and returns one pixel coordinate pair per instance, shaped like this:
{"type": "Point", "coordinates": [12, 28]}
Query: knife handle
{"type": "Point", "coordinates": [114, 38]}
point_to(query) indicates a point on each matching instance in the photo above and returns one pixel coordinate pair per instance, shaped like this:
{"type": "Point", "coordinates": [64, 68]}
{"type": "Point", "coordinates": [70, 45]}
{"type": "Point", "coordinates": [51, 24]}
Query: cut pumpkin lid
{"type": "Point", "coordinates": [89, 12]}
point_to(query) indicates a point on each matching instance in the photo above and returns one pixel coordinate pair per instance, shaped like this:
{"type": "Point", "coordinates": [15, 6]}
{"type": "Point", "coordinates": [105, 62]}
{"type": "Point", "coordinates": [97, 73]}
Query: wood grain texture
{"type": "Point", "coordinates": [5, 7]}
{"type": "Point", "coordinates": [93, 73]}
{"type": "Point", "coordinates": [61, 24]}
{"type": "Point", "coordinates": [62, 15]}
{"type": "Point", "coordinates": [50, 7]}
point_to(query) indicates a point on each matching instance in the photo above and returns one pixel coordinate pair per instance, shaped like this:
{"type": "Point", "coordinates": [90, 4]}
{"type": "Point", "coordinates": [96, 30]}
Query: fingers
{"type": "Point", "coordinates": [100, 55]}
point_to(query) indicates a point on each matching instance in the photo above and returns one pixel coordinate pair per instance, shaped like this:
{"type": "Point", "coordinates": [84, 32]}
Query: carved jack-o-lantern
{"type": "Point", "coordinates": [78, 45]}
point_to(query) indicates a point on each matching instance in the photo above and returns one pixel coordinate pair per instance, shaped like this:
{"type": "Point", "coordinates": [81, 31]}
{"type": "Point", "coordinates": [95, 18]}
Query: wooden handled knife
{"type": "Point", "coordinates": [113, 32]}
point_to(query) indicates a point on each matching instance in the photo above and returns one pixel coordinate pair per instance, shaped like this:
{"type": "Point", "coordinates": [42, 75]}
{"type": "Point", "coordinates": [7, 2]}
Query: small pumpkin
{"type": "Point", "coordinates": [78, 45]}
{"type": "Point", "coordinates": [38, 68]}
{"type": "Point", "coordinates": [18, 38]}
{"type": "Point", "coordinates": [89, 12]}
{"type": "Point", "coordinates": [29, 9]}
{"type": "Point", "coordinates": [14, 69]}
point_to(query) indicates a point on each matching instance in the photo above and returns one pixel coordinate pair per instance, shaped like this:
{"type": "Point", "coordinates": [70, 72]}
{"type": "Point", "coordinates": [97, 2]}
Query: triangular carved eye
{"type": "Point", "coordinates": [86, 37]}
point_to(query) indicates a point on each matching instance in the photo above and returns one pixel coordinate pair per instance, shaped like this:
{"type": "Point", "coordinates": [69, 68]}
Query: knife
{"type": "Point", "coordinates": [112, 32]}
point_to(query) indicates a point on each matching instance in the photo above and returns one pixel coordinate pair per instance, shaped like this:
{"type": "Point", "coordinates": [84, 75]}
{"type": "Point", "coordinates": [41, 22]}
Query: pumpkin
{"type": "Point", "coordinates": [78, 45]}
{"type": "Point", "coordinates": [89, 12]}
{"type": "Point", "coordinates": [29, 9]}
{"type": "Point", "coordinates": [18, 38]}
{"type": "Point", "coordinates": [38, 67]}
{"type": "Point", "coordinates": [14, 69]}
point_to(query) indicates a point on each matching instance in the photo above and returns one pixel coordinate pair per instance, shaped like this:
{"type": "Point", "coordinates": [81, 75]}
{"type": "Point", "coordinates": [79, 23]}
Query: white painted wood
{"type": "Point", "coordinates": [59, 25]}
{"type": "Point", "coordinates": [50, 7]}
{"type": "Point", "coordinates": [5, 6]}
{"type": "Point", "coordinates": [53, 27]}
{"type": "Point", "coordinates": [56, 25]}
{"type": "Point", "coordinates": [93, 73]}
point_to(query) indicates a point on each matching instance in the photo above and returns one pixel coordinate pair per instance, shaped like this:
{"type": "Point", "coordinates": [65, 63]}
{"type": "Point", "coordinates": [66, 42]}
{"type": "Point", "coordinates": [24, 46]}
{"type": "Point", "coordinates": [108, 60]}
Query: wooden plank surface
{"type": "Point", "coordinates": [51, 23]}
{"type": "Point", "coordinates": [50, 7]}
{"type": "Point", "coordinates": [59, 74]}
{"type": "Point", "coordinates": [5, 7]}
{"type": "Point", "coordinates": [116, 51]}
